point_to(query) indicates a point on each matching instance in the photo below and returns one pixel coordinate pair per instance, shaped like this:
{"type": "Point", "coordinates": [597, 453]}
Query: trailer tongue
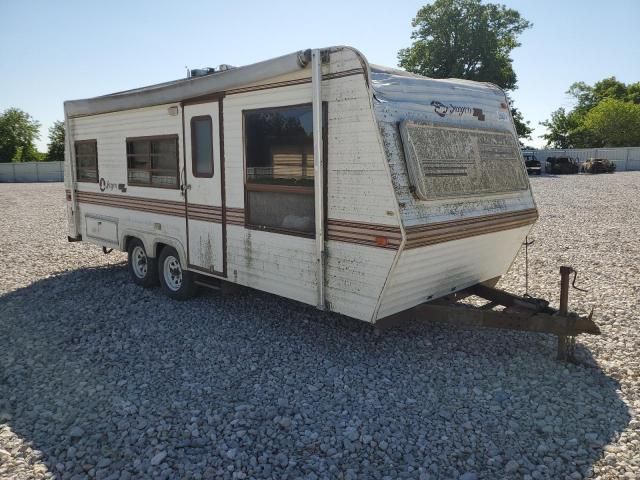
{"type": "Point", "coordinates": [519, 313]}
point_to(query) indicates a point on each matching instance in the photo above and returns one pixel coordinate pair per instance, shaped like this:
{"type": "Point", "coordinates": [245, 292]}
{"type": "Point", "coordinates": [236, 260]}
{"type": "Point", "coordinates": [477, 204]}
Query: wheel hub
{"type": "Point", "coordinates": [139, 262]}
{"type": "Point", "coordinates": [172, 273]}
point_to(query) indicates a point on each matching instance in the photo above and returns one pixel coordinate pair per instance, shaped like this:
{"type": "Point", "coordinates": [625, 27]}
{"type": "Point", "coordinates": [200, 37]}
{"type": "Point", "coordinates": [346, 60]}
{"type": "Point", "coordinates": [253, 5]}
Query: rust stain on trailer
{"type": "Point", "coordinates": [248, 248]}
{"type": "Point", "coordinates": [206, 252]}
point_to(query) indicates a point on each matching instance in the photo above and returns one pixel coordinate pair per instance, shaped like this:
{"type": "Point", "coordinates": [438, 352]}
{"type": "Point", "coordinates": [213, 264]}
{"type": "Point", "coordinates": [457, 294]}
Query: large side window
{"type": "Point", "coordinates": [202, 146]}
{"type": "Point", "coordinates": [87, 161]}
{"type": "Point", "coordinates": [153, 161]}
{"type": "Point", "coordinates": [279, 169]}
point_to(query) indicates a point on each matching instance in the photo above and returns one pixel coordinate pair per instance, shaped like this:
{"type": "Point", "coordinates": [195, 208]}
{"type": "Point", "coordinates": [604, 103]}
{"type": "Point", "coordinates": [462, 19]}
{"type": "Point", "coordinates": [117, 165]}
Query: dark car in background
{"type": "Point", "coordinates": [534, 167]}
{"type": "Point", "coordinates": [598, 165]}
{"type": "Point", "coordinates": [561, 166]}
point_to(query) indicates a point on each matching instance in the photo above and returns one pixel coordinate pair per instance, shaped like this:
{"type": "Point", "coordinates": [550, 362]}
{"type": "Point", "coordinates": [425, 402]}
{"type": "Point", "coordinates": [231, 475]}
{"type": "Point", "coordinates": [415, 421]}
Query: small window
{"type": "Point", "coordinates": [87, 161]}
{"type": "Point", "coordinates": [202, 146]}
{"type": "Point", "coordinates": [153, 161]}
{"type": "Point", "coordinates": [279, 169]}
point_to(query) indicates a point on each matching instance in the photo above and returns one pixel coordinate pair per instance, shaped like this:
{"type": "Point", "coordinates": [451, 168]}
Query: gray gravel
{"type": "Point", "coordinates": [102, 379]}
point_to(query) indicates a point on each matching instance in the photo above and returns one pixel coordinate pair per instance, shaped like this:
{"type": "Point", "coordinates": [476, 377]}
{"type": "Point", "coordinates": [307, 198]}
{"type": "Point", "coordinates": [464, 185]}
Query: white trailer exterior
{"type": "Point", "coordinates": [418, 186]}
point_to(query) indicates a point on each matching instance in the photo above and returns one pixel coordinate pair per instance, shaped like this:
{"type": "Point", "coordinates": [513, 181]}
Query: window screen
{"type": "Point", "coordinates": [455, 162]}
{"type": "Point", "coordinates": [153, 161]}
{"type": "Point", "coordinates": [279, 168]}
{"type": "Point", "coordinates": [202, 146]}
{"type": "Point", "coordinates": [87, 161]}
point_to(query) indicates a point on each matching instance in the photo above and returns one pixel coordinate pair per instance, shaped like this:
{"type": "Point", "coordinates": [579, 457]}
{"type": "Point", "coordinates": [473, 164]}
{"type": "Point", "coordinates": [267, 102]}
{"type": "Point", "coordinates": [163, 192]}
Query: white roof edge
{"type": "Point", "coordinates": [178, 90]}
{"type": "Point", "coordinates": [453, 81]}
{"type": "Point", "coordinates": [186, 88]}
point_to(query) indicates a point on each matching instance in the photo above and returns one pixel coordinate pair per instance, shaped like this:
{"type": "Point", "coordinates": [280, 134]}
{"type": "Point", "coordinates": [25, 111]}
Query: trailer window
{"type": "Point", "coordinates": [279, 169]}
{"type": "Point", "coordinates": [454, 162]}
{"type": "Point", "coordinates": [153, 161]}
{"type": "Point", "coordinates": [202, 146]}
{"type": "Point", "coordinates": [87, 161]}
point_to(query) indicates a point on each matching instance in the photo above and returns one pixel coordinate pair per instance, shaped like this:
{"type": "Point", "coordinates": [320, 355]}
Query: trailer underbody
{"type": "Point", "coordinates": [506, 311]}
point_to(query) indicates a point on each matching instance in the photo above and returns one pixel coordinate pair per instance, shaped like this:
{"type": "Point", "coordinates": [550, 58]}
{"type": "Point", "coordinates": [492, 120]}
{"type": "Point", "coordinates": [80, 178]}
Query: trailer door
{"type": "Point", "coordinates": [204, 187]}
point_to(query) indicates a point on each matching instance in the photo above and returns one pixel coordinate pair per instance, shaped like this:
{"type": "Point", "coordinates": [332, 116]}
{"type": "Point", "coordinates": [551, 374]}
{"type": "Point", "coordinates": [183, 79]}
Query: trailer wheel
{"type": "Point", "coordinates": [176, 282]}
{"type": "Point", "coordinates": [142, 269]}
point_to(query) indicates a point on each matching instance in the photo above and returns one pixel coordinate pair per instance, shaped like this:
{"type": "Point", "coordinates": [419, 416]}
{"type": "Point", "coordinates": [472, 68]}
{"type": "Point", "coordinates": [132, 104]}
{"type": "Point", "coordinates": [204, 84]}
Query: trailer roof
{"type": "Point", "coordinates": [217, 82]}
{"type": "Point", "coordinates": [178, 90]}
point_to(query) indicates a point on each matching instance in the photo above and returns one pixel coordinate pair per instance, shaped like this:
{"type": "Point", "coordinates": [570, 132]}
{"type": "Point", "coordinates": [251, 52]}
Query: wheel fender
{"type": "Point", "coordinates": [151, 243]}
{"type": "Point", "coordinates": [172, 243]}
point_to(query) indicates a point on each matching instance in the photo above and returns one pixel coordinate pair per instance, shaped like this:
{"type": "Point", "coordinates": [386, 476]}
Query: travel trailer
{"type": "Point", "coordinates": [315, 176]}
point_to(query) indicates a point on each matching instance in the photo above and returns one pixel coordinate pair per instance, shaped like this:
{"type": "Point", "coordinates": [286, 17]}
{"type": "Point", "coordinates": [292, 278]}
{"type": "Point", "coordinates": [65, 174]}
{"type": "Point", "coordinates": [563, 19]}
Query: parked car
{"type": "Point", "coordinates": [598, 165]}
{"type": "Point", "coordinates": [561, 165]}
{"type": "Point", "coordinates": [534, 167]}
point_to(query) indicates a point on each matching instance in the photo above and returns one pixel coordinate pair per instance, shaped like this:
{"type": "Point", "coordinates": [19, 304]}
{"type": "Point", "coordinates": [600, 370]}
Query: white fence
{"type": "Point", "coordinates": [32, 172]}
{"type": "Point", "coordinates": [625, 158]}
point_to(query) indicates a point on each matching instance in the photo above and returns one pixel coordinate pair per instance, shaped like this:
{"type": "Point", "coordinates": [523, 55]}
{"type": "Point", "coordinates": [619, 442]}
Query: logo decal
{"type": "Point", "coordinates": [442, 110]}
{"type": "Point", "coordinates": [107, 185]}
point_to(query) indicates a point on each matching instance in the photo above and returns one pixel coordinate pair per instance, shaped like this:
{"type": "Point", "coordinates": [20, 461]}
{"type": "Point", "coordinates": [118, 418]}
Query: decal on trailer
{"type": "Point", "coordinates": [107, 185]}
{"type": "Point", "coordinates": [442, 110]}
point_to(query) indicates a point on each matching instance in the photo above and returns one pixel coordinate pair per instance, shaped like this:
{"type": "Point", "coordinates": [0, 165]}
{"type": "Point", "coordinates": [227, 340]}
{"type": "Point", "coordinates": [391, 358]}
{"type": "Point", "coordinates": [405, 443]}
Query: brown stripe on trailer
{"type": "Point", "coordinates": [440, 232]}
{"type": "Point", "coordinates": [371, 234]}
{"type": "Point", "coordinates": [133, 203]}
{"type": "Point", "coordinates": [205, 213]}
{"type": "Point", "coordinates": [235, 216]}
{"type": "Point", "coordinates": [146, 209]}
{"type": "Point", "coordinates": [298, 81]}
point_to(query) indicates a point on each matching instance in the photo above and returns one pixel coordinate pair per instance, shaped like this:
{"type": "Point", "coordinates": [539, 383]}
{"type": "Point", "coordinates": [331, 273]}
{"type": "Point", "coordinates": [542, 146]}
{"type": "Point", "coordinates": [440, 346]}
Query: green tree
{"type": "Point", "coordinates": [615, 122]}
{"type": "Point", "coordinates": [558, 128]}
{"type": "Point", "coordinates": [18, 134]}
{"type": "Point", "coordinates": [522, 126]}
{"type": "Point", "coordinates": [577, 128]}
{"type": "Point", "coordinates": [55, 152]}
{"type": "Point", "coordinates": [466, 39]}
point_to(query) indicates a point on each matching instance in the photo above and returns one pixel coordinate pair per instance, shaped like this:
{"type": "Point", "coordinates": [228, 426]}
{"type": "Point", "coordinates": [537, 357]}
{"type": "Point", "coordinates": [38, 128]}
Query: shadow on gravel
{"type": "Point", "coordinates": [112, 381]}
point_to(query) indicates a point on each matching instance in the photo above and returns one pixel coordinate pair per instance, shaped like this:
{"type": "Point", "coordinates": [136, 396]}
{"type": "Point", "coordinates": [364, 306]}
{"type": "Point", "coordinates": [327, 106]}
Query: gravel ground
{"type": "Point", "coordinates": [102, 379]}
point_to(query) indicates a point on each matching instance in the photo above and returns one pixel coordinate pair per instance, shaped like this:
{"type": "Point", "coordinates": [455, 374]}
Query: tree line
{"type": "Point", "coordinates": [606, 114]}
{"type": "Point", "coordinates": [19, 132]}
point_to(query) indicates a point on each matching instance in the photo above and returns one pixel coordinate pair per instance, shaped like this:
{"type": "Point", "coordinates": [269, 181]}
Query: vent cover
{"type": "Point", "coordinates": [445, 161]}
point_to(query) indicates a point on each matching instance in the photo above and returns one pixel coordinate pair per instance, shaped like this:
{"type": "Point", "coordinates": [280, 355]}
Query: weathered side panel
{"type": "Point", "coordinates": [274, 263]}
{"type": "Point", "coordinates": [355, 277]}
{"type": "Point", "coordinates": [427, 273]}
{"type": "Point", "coordinates": [358, 179]}
{"type": "Point", "coordinates": [111, 130]}
{"type": "Point", "coordinates": [359, 191]}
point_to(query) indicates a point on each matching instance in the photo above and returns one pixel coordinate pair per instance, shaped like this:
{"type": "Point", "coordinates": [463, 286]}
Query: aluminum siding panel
{"type": "Point", "coordinates": [426, 273]}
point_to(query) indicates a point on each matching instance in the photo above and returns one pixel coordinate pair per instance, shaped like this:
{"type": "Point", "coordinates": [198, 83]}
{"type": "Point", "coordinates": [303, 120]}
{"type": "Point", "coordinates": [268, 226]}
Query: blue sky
{"type": "Point", "coordinates": [56, 51]}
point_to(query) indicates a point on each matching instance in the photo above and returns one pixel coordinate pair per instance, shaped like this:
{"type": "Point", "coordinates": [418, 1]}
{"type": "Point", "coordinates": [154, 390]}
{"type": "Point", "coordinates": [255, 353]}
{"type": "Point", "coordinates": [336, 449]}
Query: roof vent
{"type": "Point", "coordinates": [201, 72]}
{"type": "Point", "coordinates": [225, 66]}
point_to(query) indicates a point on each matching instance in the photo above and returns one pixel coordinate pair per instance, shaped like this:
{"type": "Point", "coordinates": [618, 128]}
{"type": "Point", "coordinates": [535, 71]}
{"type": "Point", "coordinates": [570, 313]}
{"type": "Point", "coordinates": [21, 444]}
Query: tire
{"type": "Point", "coordinates": [142, 269]}
{"type": "Point", "coordinates": [176, 282]}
